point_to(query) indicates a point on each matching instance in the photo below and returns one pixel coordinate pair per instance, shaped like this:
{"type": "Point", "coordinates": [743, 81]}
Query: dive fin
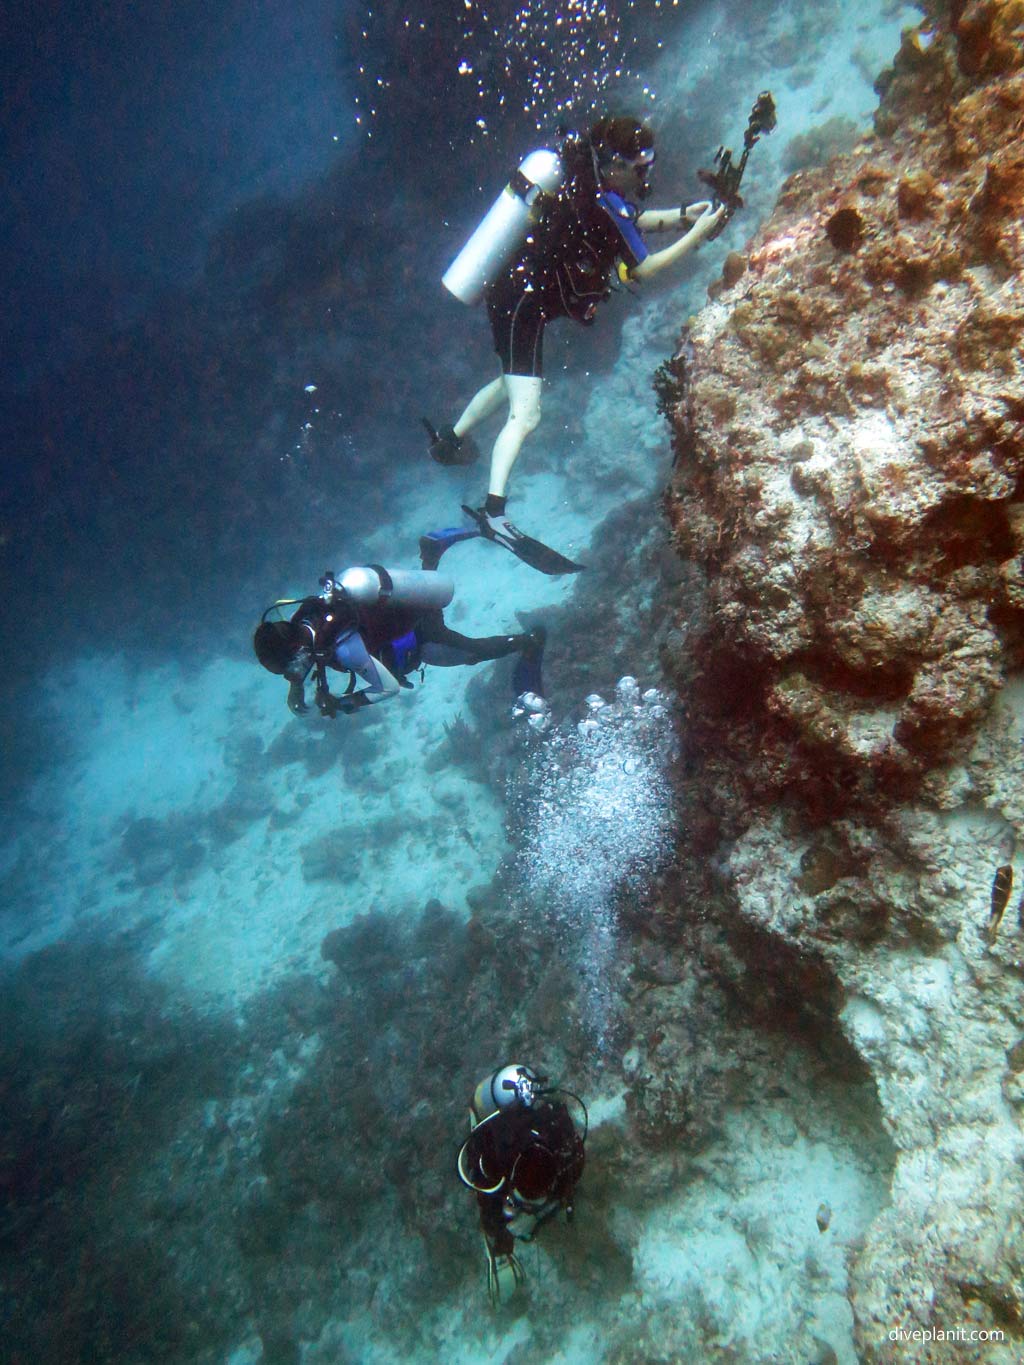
{"type": "Point", "coordinates": [533, 552]}
{"type": "Point", "coordinates": [447, 448]}
{"type": "Point", "coordinates": [434, 543]}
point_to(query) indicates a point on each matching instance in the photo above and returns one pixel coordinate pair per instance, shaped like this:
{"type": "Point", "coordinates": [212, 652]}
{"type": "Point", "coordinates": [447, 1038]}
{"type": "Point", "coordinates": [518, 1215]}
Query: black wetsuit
{"type": "Point", "coordinates": [563, 268]}
{"type": "Point", "coordinates": [498, 1142]}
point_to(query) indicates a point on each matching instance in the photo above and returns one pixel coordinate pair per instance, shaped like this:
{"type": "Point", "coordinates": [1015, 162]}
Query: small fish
{"type": "Point", "coordinates": [823, 1217]}
{"type": "Point", "coordinates": [1002, 885]}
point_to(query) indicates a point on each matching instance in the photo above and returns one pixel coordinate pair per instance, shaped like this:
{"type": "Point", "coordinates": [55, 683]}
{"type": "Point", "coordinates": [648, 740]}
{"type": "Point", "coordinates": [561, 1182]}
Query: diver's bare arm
{"type": "Point", "coordinates": [660, 260]}
{"type": "Point", "coordinates": [659, 220]}
{"type": "Point", "coordinates": [672, 220]}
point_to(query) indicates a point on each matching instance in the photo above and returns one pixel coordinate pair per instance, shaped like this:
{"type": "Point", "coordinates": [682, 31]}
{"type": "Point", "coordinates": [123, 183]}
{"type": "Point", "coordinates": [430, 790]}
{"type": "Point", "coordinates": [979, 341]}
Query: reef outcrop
{"type": "Point", "coordinates": [850, 475]}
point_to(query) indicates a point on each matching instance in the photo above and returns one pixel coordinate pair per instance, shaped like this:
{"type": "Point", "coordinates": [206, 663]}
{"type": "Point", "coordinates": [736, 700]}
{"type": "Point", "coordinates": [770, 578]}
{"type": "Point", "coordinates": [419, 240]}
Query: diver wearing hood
{"type": "Point", "coordinates": [524, 1158]}
{"type": "Point", "coordinates": [379, 626]}
{"type": "Point", "coordinates": [552, 247]}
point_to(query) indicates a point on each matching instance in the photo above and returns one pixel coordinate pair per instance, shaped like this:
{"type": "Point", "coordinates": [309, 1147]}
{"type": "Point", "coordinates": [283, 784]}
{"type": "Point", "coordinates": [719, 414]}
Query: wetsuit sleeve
{"type": "Point", "coordinates": [624, 215]}
{"type": "Point", "coordinates": [350, 652]}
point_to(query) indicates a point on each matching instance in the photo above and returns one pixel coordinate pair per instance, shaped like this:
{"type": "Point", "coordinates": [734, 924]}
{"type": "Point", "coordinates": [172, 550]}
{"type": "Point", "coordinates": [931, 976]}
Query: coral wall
{"type": "Point", "coordinates": [850, 475]}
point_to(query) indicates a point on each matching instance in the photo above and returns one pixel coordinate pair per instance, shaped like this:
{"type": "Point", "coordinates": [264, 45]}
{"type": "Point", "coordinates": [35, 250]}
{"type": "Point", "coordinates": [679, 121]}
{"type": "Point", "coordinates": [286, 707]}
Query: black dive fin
{"type": "Point", "coordinates": [533, 552]}
{"type": "Point", "coordinates": [447, 448]}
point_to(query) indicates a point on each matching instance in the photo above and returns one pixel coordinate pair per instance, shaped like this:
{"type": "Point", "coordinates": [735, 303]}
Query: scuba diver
{"type": "Point", "coordinates": [561, 232]}
{"type": "Point", "coordinates": [379, 626]}
{"type": "Point", "coordinates": [524, 1158]}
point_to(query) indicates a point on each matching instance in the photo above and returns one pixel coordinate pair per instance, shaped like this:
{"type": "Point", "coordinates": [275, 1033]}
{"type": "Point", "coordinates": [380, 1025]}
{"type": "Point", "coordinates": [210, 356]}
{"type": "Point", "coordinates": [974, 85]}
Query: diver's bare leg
{"type": "Point", "coordinates": [481, 405]}
{"type": "Point", "coordinates": [524, 403]}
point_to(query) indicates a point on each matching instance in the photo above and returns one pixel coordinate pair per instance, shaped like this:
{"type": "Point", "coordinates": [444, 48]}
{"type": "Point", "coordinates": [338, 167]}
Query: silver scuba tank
{"type": "Point", "coordinates": [371, 585]}
{"type": "Point", "coordinates": [505, 226]}
{"type": "Point", "coordinates": [500, 1089]}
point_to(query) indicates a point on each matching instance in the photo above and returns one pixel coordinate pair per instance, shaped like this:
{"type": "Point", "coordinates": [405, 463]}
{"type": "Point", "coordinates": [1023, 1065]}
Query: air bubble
{"type": "Point", "coordinates": [596, 812]}
{"type": "Point", "coordinates": [627, 690]}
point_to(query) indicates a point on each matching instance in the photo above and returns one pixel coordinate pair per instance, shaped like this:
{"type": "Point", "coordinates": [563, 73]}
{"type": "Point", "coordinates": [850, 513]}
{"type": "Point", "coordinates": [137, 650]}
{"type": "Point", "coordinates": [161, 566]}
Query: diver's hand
{"type": "Point", "coordinates": [504, 1276]}
{"type": "Point", "coordinates": [689, 213]}
{"type": "Point", "coordinates": [330, 705]}
{"type": "Point", "coordinates": [707, 221]}
{"type": "Point", "coordinates": [297, 700]}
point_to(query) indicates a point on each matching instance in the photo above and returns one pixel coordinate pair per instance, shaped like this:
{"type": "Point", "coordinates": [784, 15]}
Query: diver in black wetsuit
{"type": "Point", "coordinates": [524, 1158]}
{"type": "Point", "coordinates": [380, 626]}
{"type": "Point", "coordinates": [589, 233]}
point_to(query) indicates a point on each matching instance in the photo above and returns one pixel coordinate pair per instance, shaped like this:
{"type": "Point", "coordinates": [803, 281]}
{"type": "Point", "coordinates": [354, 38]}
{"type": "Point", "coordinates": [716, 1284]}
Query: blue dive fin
{"type": "Point", "coordinates": [434, 543]}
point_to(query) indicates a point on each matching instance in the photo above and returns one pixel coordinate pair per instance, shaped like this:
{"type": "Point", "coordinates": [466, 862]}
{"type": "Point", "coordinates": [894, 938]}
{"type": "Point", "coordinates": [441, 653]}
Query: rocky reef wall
{"type": "Point", "coordinates": [849, 429]}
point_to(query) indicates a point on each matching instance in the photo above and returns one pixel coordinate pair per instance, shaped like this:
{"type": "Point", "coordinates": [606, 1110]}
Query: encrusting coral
{"type": "Point", "coordinates": [850, 475]}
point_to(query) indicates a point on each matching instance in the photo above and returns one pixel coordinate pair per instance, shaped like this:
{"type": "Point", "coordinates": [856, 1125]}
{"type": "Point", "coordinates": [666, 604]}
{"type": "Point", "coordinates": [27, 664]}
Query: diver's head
{"type": "Point", "coordinates": [282, 647]}
{"type": "Point", "coordinates": [624, 148]}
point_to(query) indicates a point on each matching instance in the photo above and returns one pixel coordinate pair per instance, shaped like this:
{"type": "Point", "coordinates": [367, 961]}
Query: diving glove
{"type": "Point", "coordinates": [448, 449]}
{"type": "Point", "coordinates": [504, 1276]}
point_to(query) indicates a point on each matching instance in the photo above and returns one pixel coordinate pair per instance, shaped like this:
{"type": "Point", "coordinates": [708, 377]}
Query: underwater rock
{"type": "Point", "coordinates": [819, 144]}
{"type": "Point", "coordinates": [857, 500]}
{"type": "Point", "coordinates": [988, 37]}
{"type": "Point", "coordinates": [155, 849]}
{"type": "Point", "coordinates": [851, 687]}
{"type": "Point", "coordinates": [147, 847]}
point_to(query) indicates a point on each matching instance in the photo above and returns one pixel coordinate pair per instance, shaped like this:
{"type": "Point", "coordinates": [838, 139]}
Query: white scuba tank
{"type": "Point", "coordinates": [371, 585]}
{"type": "Point", "coordinates": [492, 1095]}
{"type": "Point", "coordinates": [505, 226]}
